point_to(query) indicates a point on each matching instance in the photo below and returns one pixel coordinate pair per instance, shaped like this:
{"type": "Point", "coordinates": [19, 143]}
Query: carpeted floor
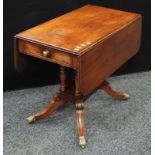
{"type": "Point", "coordinates": [112, 127]}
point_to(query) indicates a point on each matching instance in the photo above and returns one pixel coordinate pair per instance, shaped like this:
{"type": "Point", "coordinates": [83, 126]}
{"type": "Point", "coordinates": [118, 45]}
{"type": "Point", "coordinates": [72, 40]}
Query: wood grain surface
{"type": "Point", "coordinates": [106, 58]}
{"type": "Point", "coordinates": [80, 29]}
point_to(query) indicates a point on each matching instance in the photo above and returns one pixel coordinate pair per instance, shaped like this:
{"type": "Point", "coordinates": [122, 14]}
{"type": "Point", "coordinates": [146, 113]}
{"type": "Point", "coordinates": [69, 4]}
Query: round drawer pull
{"type": "Point", "coordinates": [46, 53]}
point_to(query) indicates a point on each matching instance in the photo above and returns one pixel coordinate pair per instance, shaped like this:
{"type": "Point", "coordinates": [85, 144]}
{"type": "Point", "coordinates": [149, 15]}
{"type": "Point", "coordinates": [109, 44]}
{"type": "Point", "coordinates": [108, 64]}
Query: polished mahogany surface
{"type": "Point", "coordinates": [78, 31]}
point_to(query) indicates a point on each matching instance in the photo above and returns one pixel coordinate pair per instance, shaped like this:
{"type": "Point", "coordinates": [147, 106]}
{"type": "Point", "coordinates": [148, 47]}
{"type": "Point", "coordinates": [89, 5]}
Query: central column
{"type": "Point", "coordinates": [62, 79]}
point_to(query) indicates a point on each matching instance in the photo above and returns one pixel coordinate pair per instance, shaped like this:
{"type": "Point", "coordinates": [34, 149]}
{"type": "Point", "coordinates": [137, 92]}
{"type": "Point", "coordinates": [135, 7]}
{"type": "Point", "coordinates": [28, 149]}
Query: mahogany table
{"type": "Point", "coordinates": [94, 41]}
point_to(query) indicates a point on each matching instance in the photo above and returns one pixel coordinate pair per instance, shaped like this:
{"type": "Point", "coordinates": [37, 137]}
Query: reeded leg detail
{"type": "Point", "coordinates": [80, 122]}
{"type": "Point", "coordinates": [62, 79]}
{"type": "Point", "coordinates": [118, 95]}
{"type": "Point", "coordinates": [50, 108]}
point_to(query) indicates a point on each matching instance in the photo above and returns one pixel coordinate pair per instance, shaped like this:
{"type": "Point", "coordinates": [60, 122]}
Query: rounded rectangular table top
{"type": "Point", "coordinates": [78, 30]}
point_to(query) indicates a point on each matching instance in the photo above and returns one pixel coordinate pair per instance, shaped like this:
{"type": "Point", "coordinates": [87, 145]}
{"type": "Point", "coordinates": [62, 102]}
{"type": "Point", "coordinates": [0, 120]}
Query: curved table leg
{"type": "Point", "coordinates": [118, 95]}
{"type": "Point", "coordinates": [80, 122]}
{"type": "Point", "coordinates": [50, 108]}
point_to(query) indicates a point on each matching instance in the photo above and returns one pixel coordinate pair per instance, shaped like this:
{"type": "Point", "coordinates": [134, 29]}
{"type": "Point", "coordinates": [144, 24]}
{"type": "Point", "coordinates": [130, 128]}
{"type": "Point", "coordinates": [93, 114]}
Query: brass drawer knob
{"type": "Point", "coordinates": [46, 53]}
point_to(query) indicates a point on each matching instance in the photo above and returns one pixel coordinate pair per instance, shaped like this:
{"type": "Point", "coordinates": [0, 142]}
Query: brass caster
{"type": "Point", "coordinates": [126, 96]}
{"type": "Point", "coordinates": [82, 142]}
{"type": "Point", "coordinates": [31, 119]}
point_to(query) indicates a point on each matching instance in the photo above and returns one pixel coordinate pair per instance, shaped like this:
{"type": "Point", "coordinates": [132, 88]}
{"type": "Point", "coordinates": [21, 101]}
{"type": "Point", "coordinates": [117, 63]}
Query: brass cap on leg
{"type": "Point", "coordinates": [30, 119]}
{"type": "Point", "coordinates": [82, 142]}
{"type": "Point", "coordinates": [126, 96]}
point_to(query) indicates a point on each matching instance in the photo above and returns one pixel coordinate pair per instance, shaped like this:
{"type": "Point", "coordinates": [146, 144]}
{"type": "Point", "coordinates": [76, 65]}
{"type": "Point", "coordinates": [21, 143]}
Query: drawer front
{"type": "Point", "coordinates": [44, 53]}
